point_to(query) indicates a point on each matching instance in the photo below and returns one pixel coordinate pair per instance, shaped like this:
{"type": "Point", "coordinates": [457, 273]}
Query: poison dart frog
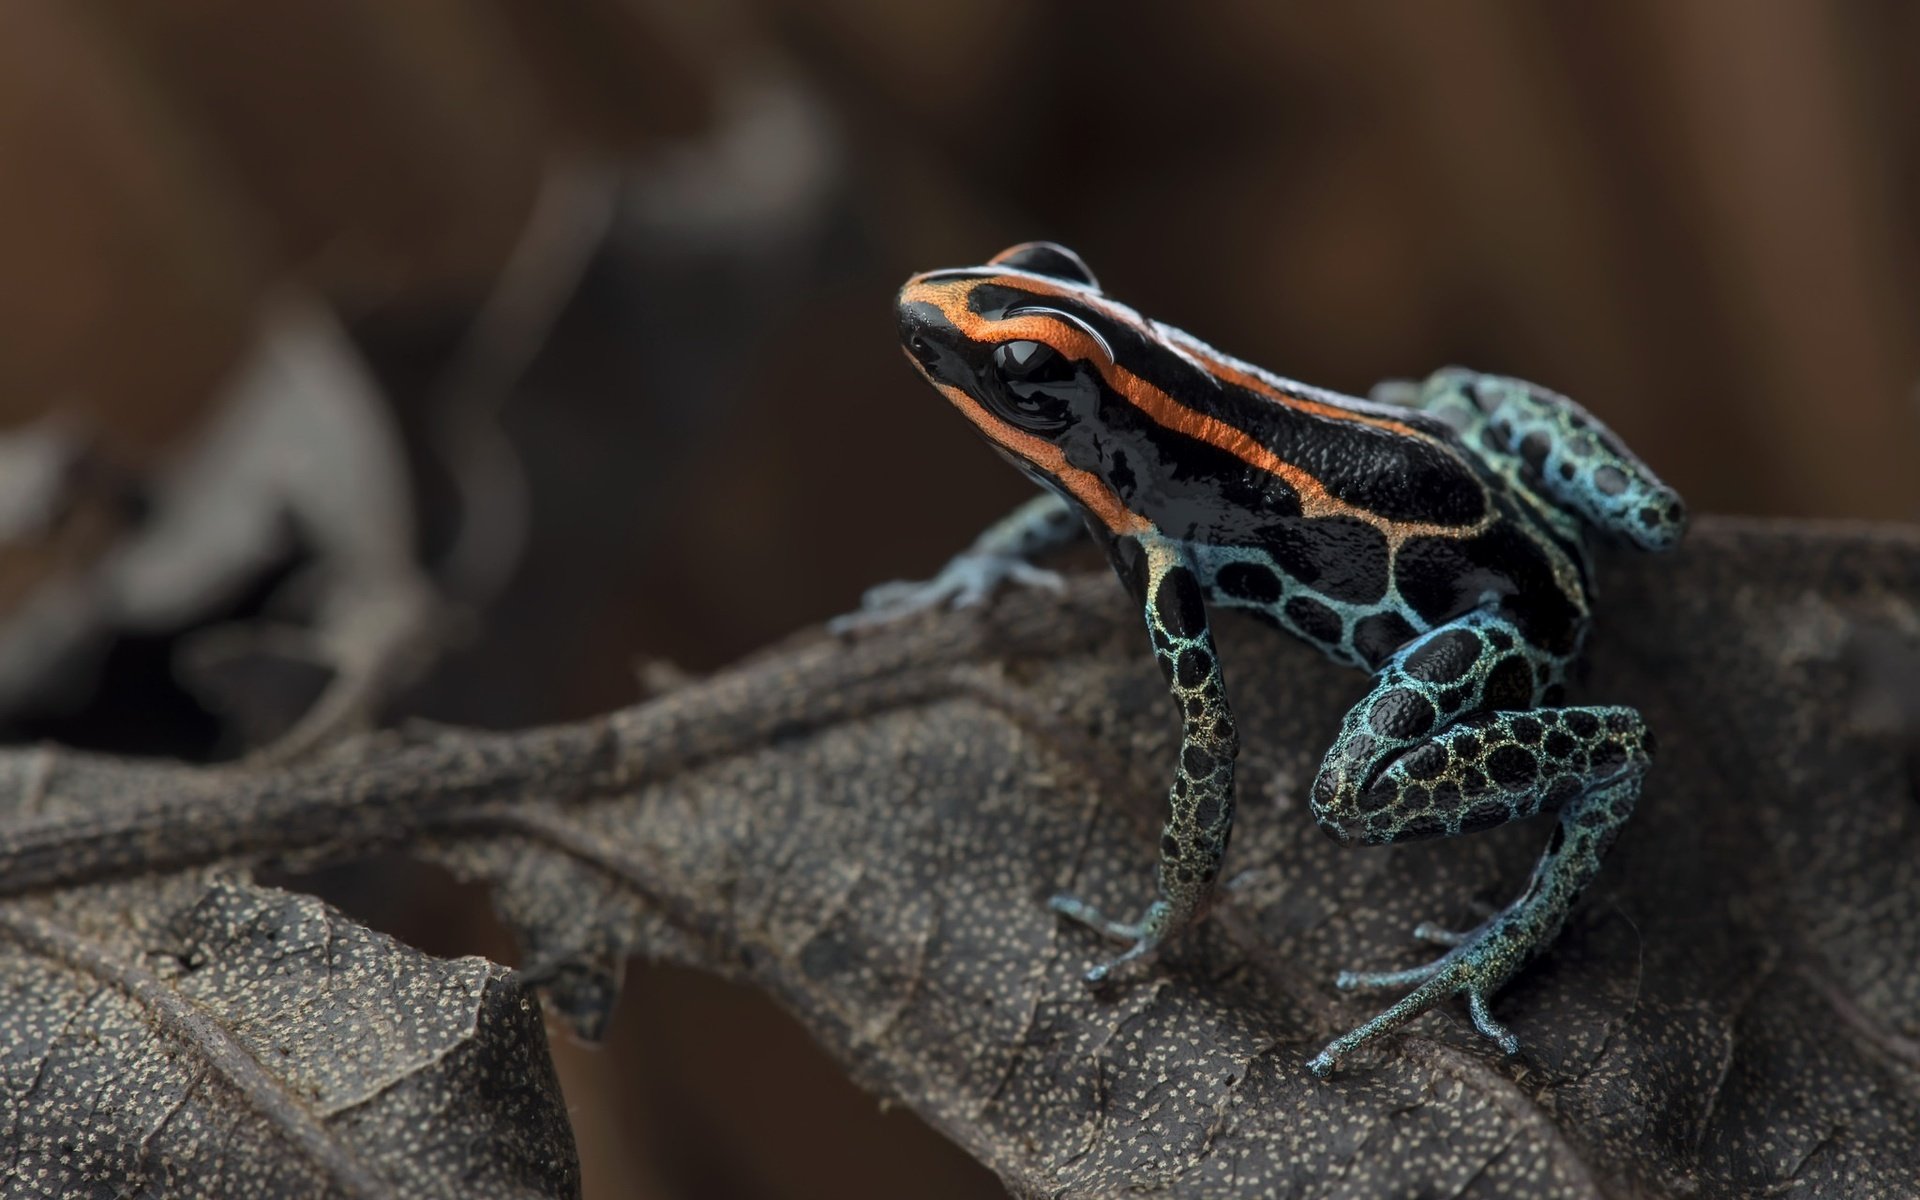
{"type": "Point", "coordinates": [1435, 536]}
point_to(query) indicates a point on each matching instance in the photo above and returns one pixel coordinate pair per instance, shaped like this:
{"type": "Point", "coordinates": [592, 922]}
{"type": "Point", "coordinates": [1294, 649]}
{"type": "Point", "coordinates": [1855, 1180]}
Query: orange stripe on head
{"type": "Point", "coordinates": [1236, 372]}
{"type": "Point", "coordinates": [951, 296]}
{"type": "Point", "coordinates": [1088, 489]}
{"type": "Point", "coordinates": [1223, 366]}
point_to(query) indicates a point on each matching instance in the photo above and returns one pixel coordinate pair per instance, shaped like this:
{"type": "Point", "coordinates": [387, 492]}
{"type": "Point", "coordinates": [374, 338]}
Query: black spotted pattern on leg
{"type": "Point", "coordinates": [1496, 767]}
{"type": "Point", "coordinates": [1418, 756]}
{"type": "Point", "coordinates": [1482, 961]}
{"type": "Point", "coordinates": [1404, 768]}
{"type": "Point", "coordinates": [1200, 802]}
{"type": "Point", "coordinates": [1546, 443]}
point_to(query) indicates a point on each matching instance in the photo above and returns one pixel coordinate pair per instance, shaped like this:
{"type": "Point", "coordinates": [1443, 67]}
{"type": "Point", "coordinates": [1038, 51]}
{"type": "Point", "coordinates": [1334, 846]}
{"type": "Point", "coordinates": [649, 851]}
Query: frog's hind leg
{"type": "Point", "coordinates": [1200, 802]}
{"type": "Point", "coordinates": [1448, 743]}
{"type": "Point", "coordinates": [1550, 445]}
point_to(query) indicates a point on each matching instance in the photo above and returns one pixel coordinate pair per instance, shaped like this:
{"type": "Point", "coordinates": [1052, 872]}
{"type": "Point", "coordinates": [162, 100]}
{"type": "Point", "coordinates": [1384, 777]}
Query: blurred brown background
{"type": "Point", "coordinates": [452, 358]}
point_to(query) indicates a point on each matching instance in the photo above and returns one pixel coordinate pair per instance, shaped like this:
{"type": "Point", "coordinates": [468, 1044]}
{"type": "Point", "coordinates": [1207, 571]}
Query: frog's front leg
{"type": "Point", "coordinates": [1200, 802]}
{"type": "Point", "coordinates": [1448, 743]}
{"type": "Point", "coordinates": [1001, 553]}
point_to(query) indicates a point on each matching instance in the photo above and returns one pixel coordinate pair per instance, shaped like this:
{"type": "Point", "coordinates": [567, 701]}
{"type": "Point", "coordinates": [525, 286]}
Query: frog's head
{"type": "Point", "coordinates": [1021, 347]}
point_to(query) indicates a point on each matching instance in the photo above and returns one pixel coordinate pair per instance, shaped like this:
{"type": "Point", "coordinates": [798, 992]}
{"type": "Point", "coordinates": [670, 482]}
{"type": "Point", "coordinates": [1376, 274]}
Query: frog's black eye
{"type": "Point", "coordinates": [1038, 385]}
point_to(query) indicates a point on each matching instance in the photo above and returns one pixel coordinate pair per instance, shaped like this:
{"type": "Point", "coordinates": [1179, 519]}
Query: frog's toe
{"type": "Point", "coordinates": [1427, 931]}
{"type": "Point", "coordinates": [1369, 981]}
{"type": "Point", "coordinates": [1489, 1028]}
{"type": "Point", "coordinates": [900, 594]}
{"type": "Point", "coordinates": [1073, 906]}
{"type": "Point", "coordinates": [966, 582]}
{"type": "Point", "coordinates": [887, 602]}
{"type": "Point", "coordinates": [1146, 934]}
{"type": "Point", "coordinates": [974, 577]}
{"type": "Point", "coordinates": [972, 589]}
{"type": "Point", "coordinates": [1024, 573]}
{"type": "Point", "coordinates": [1437, 988]}
{"type": "Point", "coordinates": [1477, 966]}
{"type": "Point", "coordinates": [896, 598]}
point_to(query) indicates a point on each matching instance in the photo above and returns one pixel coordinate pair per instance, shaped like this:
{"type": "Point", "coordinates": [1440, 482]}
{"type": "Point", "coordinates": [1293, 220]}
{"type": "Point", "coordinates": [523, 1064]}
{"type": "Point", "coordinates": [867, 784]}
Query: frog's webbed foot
{"type": "Point", "coordinates": [965, 582]}
{"type": "Point", "coordinates": [1478, 965]}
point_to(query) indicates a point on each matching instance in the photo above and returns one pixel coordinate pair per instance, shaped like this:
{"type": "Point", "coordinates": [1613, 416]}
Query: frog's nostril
{"type": "Point", "coordinates": [920, 347]}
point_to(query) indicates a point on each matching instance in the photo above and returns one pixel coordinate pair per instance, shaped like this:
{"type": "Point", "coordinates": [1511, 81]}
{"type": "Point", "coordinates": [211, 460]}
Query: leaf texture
{"type": "Point", "coordinates": [198, 1036]}
{"type": "Point", "coordinates": [868, 830]}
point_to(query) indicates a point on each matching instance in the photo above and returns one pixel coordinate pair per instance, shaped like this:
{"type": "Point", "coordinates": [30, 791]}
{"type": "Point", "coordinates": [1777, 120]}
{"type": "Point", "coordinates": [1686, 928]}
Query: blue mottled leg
{"type": "Point", "coordinates": [1447, 743]}
{"type": "Point", "coordinates": [1483, 960]}
{"type": "Point", "coordinates": [1200, 803]}
{"type": "Point", "coordinates": [999, 554]}
{"type": "Point", "coordinates": [1547, 443]}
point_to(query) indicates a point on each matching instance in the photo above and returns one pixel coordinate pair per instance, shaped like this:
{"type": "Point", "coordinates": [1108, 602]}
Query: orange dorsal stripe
{"type": "Point", "coordinates": [1315, 500]}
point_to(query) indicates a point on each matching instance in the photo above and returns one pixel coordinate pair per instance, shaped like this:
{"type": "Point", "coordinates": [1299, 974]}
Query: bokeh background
{"type": "Point", "coordinates": [493, 361]}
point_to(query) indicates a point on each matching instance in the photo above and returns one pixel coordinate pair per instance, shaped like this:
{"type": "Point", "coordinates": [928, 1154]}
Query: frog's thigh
{"type": "Point", "coordinates": [1448, 742]}
{"type": "Point", "coordinates": [1567, 456]}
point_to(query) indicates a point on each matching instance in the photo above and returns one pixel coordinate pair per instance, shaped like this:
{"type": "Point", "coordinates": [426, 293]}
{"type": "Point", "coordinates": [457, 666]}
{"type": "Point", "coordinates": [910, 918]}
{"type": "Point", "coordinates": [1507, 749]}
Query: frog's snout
{"type": "Point", "coordinates": [931, 341]}
{"type": "Point", "coordinates": [915, 336]}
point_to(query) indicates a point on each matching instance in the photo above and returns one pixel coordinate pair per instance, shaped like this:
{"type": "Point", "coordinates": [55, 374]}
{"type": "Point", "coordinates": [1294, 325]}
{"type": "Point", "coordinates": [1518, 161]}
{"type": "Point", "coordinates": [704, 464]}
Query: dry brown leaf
{"type": "Point", "coordinates": [867, 831]}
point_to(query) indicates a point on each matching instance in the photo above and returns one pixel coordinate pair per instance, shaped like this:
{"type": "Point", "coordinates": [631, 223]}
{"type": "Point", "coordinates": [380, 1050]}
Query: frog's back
{"type": "Point", "coordinates": [1372, 523]}
{"type": "Point", "coordinates": [1355, 525]}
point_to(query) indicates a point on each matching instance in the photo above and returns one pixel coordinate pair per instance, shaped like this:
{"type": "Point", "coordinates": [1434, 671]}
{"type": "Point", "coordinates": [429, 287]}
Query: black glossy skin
{"type": "Point", "coordinates": [1197, 494]}
{"type": "Point", "coordinates": [1440, 545]}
